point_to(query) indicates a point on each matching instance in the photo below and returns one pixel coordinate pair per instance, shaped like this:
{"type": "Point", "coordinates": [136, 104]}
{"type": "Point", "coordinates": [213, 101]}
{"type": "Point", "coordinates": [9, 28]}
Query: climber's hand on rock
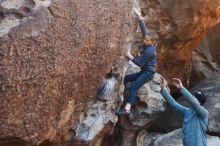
{"type": "Point", "coordinates": [177, 83]}
{"type": "Point", "coordinates": [138, 13]}
{"type": "Point", "coordinates": [163, 82]}
{"type": "Point", "coordinates": [128, 54]}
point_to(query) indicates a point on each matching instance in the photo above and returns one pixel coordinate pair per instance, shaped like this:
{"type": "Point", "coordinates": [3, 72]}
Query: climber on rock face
{"type": "Point", "coordinates": [146, 61]}
{"type": "Point", "coordinates": [195, 119]}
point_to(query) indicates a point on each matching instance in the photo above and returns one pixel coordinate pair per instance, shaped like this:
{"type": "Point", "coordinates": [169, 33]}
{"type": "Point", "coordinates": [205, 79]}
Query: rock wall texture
{"type": "Point", "coordinates": [205, 59]}
{"type": "Point", "coordinates": [55, 57]}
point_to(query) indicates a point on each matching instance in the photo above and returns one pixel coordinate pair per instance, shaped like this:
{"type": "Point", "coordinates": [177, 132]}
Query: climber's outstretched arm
{"type": "Point", "coordinates": [199, 110]}
{"type": "Point", "coordinates": [175, 105]}
{"type": "Point", "coordinates": [143, 27]}
{"type": "Point", "coordinates": [141, 22]}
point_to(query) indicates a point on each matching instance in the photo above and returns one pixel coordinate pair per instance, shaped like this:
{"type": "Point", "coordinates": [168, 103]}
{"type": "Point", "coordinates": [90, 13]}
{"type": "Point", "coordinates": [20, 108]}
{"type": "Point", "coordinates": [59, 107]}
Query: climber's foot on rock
{"type": "Point", "coordinates": [123, 112]}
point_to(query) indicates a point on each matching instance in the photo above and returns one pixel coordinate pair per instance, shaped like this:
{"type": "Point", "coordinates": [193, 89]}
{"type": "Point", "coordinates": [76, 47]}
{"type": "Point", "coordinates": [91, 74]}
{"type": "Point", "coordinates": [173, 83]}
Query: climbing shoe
{"type": "Point", "coordinates": [122, 112]}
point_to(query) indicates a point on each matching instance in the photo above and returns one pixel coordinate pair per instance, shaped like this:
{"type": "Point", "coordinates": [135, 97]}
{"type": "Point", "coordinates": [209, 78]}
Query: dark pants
{"type": "Point", "coordinates": [138, 80]}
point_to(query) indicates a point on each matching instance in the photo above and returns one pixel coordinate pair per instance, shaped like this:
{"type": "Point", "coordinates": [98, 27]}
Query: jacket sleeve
{"type": "Point", "coordinates": [143, 59]}
{"type": "Point", "coordinates": [200, 110]}
{"type": "Point", "coordinates": [143, 27]}
{"type": "Point", "coordinates": [175, 105]}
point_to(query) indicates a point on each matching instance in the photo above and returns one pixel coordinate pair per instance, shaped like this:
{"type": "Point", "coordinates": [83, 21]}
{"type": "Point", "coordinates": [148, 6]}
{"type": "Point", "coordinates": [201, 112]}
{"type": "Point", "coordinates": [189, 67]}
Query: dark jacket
{"type": "Point", "coordinates": [147, 60]}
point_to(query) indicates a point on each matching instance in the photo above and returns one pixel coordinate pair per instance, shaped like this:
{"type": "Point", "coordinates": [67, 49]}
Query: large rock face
{"type": "Point", "coordinates": [54, 56]}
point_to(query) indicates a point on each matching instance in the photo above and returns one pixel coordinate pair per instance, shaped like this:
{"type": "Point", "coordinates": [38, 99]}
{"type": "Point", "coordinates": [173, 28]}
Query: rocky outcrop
{"type": "Point", "coordinates": [173, 138]}
{"type": "Point", "coordinates": [54, 57]}
{"type": "Point", "coordinates": [205, 59]}
{"type": "Point", "coordinates": [212, 39]}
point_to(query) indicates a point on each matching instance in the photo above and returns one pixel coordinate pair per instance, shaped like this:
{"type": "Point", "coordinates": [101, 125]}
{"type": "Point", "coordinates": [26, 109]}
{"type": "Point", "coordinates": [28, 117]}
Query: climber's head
{"type": "Point", "coordinates": [201, 97]}
{"type": "Point", "coordinates": [150, 38]}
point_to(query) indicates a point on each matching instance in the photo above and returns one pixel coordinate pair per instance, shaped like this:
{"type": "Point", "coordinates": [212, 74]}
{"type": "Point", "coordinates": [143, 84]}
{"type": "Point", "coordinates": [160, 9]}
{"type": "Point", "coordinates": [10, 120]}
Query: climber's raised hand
{"type": "Point", "coordinates": [177, 83]}
{"type": "Point", "coordinates": [138, 13]}
{"type": "Point", "coordinates": [128, 54]}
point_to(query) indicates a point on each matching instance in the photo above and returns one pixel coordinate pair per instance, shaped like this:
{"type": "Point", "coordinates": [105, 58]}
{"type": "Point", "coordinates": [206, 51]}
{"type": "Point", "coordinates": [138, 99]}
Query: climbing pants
{"type": "Point", "coordinates": [137, 79]}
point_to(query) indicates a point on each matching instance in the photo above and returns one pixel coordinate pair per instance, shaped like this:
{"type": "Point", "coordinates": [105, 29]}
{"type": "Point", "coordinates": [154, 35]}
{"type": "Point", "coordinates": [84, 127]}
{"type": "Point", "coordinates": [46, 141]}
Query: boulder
{"type": "Point", "coordinates": [173, 138]}
{"type": "Point", "coordinates": [205, 60]}
{"type": "Point", "coordinates": [54, 57]}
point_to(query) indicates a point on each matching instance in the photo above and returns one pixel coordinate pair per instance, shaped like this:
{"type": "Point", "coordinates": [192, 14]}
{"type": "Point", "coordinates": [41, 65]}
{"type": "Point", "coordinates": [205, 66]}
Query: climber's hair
{"type": "Point", "coordinates": [151, 35]}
